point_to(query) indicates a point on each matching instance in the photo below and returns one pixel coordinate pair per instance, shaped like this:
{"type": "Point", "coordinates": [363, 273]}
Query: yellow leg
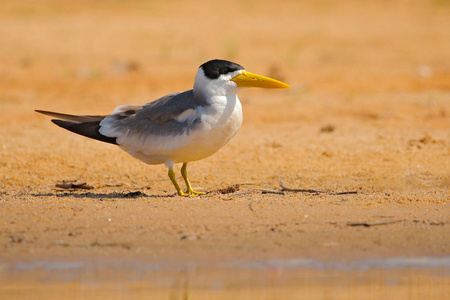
{"type": "Point", "coordinates": [190, 190]}
{"type": "Point", "coordinates": [175, 183]}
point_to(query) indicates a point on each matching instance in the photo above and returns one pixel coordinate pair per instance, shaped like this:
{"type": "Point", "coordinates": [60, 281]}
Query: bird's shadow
{"type": "Point", "coordinates": [102, 196]}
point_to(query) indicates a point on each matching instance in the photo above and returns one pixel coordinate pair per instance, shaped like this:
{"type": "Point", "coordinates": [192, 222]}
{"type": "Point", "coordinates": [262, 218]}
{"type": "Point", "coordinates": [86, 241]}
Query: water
{"type": "Point", "coordinates": [398, 278]}
{"type": "Point", "coordinates": [288, 264]}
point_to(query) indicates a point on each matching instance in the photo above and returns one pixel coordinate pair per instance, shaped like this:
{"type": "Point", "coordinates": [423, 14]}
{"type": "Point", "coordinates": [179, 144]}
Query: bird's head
{"type": "Point", "coordinates": [222, 77]}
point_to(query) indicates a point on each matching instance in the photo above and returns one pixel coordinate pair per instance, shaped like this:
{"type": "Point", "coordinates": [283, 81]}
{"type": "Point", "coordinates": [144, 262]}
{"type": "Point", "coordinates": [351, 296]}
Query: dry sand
{"type": "Point", "coordinates": [369, 112]}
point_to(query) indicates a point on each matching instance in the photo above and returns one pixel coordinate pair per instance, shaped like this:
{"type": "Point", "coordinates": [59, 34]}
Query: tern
{"type": "Point", "coordinates": [179, 127]}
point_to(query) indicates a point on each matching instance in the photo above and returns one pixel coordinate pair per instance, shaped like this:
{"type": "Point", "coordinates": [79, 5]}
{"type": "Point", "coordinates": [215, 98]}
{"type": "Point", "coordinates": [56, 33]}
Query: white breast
{"type": "Point", "coordinates": [219, 124]}
{"type": "Point", "coordinates": [220, 121]}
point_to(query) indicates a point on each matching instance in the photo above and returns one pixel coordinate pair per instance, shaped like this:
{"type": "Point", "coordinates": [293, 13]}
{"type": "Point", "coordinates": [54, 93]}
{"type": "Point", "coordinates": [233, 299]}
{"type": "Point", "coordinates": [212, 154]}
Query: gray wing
{"type": "Point", "coordinates": [168, 108]}
{"type": "Point", "coordinates": [154, 132]}
{"type": "Point", "coordinates": [151, 128]}
{"type": "Point", "coordinates": [171, 115]}
{"type": "Point", "coordinates": [150, 132]}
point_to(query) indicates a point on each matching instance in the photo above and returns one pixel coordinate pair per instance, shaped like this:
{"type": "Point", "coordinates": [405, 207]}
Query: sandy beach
{"type": "Point", "coordinates": [366, 125]}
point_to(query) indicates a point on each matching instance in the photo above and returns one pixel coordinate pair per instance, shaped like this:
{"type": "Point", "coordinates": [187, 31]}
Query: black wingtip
{"type": "Point", "coordinates": [87, 129]}
{"type": "Point", "coordinates": [63, 124]}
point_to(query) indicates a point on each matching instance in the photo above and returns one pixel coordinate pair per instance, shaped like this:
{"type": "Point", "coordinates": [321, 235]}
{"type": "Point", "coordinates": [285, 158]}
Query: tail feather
{"type": "Point", "coordinates": [71, 118]}
{"type": "Point", "coordinates": [87, 126]}
{"type": "Point", "coordinates": [87, 129]}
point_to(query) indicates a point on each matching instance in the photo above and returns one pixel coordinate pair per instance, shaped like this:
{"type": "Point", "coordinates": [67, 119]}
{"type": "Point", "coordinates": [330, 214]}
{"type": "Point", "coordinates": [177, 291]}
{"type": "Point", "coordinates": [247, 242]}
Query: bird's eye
{"type": "Point", "coordinates": [226, 70]}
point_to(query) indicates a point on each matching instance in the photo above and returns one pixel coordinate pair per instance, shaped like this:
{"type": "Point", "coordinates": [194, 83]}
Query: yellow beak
{"type": "Point", "coordinates": [247, 79]}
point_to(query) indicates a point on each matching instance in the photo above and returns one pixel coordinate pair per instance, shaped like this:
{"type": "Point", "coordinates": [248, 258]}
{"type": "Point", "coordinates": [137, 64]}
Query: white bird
{"type": "Point", "coordinates": [179, 127]}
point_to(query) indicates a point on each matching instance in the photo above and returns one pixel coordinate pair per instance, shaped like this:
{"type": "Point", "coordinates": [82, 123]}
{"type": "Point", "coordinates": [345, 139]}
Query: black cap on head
{"type": "Point", "coordinates": [216, 67]}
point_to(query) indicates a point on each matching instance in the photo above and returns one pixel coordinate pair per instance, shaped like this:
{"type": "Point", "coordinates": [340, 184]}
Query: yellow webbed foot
{"type": "Point", "coordinates": [183, 194]}
{"type": "Point", "coordinates": [189, 191]}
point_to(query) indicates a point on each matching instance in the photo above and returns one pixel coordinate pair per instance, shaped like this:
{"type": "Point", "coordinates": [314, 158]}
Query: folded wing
{"type": "Point", "coordinates": [138, 127]}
